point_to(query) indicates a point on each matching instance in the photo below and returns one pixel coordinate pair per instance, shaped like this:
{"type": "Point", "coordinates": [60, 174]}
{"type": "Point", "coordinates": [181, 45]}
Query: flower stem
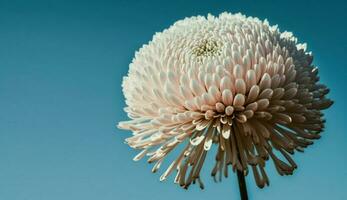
{"type": "Point", "coordinates": [242, 185]}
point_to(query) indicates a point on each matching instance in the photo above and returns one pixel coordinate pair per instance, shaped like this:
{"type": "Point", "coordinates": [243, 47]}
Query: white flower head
{"type": "Point", "coordinates": [233, 82]}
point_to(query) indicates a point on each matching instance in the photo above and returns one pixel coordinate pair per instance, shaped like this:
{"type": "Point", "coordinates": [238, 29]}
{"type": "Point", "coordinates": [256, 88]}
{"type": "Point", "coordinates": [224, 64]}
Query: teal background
{"type": "Point", "coordinates": [61, 67]}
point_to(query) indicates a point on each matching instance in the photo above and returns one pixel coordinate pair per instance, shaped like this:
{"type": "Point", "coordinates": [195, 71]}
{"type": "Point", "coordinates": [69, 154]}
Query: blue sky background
{"type": "Point", "coordinates": [61, 66]}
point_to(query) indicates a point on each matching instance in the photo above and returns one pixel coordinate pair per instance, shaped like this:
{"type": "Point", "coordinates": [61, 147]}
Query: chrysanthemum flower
{"type": "Point", "coordinates": [231, 81]}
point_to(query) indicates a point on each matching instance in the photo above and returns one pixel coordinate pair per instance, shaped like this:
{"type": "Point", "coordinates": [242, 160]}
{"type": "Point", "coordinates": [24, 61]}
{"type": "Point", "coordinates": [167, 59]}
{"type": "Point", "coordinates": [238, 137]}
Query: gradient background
{"type": "Point", "coordinates": [61, 66]}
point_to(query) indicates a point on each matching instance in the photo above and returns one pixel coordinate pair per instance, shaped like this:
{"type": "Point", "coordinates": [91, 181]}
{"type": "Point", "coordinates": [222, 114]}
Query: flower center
{"type": "Point", "coordinates": [206, 48]}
